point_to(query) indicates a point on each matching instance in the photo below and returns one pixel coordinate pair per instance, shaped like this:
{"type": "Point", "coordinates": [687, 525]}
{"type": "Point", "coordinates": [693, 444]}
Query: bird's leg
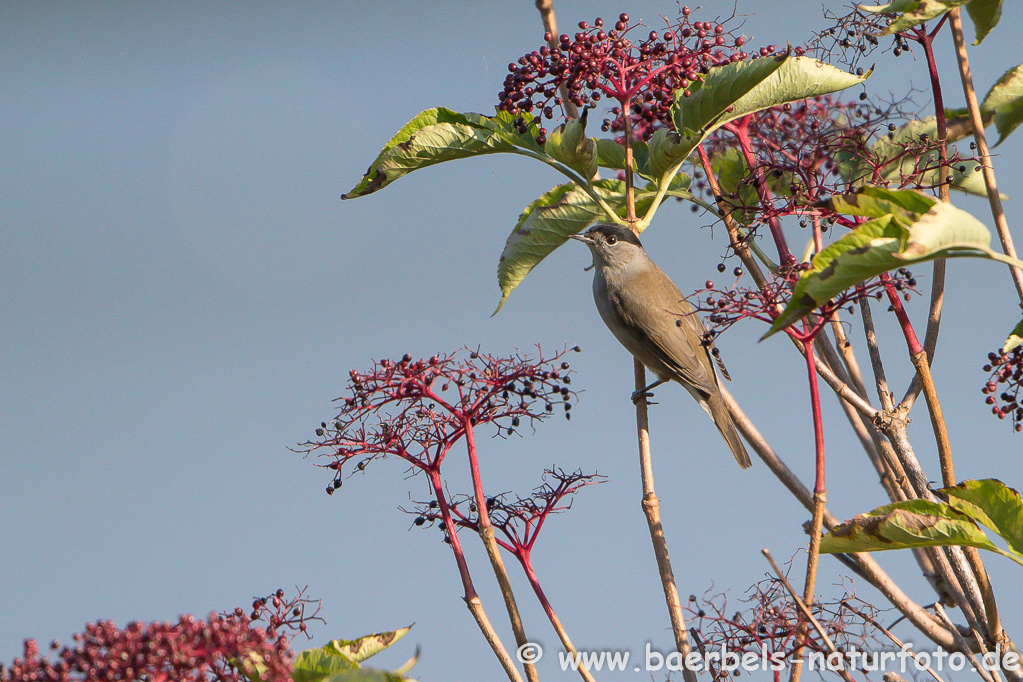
{"type": "Point", "coordinates": [645, 393]}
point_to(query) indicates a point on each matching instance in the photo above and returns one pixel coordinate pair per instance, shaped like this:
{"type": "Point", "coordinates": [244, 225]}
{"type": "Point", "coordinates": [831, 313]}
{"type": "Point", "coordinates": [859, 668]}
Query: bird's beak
{"type": "Point", "coordinates": [583, 237]}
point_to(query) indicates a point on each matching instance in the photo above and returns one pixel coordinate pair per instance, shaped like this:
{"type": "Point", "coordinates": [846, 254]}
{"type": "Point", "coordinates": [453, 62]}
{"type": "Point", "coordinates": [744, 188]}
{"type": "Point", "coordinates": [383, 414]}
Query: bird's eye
{"type": "Point", "coordinates": [612, 240]}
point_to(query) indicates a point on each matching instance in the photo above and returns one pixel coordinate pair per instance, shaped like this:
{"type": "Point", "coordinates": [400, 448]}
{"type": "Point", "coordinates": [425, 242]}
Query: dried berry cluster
{"type": "Point", "coordinates": [772, 623]}
{"type": "Point", "coordinates": [640, 73]}
{"type": "Point", "coordinates": [1005, 368]}
{"type": "Point", "coordinates": [518, 519]}
{"type": "Point", "coordinates": [853, 37]}
{"type": "Point", "coordinates": [418, 409]}
{"type": "Point", "coordinates": [222, 647]}
{"type": "Point", "coordinates": [725, 307]}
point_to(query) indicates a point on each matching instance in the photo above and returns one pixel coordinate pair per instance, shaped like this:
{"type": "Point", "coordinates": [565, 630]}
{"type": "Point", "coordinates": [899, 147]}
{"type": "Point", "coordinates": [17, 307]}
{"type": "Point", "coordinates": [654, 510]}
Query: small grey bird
{"type": "Point", "coordinates": [650, 317]}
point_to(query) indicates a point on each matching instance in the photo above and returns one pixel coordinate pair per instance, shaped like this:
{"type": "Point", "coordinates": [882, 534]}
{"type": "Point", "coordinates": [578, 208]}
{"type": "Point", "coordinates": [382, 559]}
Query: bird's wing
{"type": "Point", "coordinates": [673, 330]}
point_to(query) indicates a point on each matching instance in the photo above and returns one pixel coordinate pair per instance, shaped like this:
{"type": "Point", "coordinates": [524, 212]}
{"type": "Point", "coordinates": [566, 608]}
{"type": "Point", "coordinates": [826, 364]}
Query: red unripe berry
{"type": "Point", "coordinates": [623, 17]}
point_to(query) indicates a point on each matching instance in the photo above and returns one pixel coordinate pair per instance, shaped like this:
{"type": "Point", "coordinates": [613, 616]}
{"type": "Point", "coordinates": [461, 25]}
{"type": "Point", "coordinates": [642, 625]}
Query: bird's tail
{"type": "Point", "coordinates": [715, 406]}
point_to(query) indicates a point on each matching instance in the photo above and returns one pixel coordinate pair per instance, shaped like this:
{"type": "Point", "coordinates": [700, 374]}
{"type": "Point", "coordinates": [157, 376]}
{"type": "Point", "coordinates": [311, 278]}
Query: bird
{"type": "Point", "coordinates": [648, 315]}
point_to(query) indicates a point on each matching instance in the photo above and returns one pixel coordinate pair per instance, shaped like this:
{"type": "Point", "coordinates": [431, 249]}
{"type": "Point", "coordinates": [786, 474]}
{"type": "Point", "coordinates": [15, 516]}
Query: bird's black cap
{"type": "Point", "coordinates": [620, 231]}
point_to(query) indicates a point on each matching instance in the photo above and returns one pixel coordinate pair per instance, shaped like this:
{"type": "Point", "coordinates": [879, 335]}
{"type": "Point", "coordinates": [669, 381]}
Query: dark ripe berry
{"type": "Point", "coordinates": [330, 490]}
{"type": "Point", "coordinates": [897, 51]}
{"type": "Point", "coordinates": [598, 22]}
{"type": "Point", "coordinates": [515, 421]}
{"type": "Point", "coordinates": [564, 365]}
{"type": "Point", "coordinates": [319, 432]}
{"type": "Point", "coordinates": [721, 267]}
{"type": "Point", "coordinates": [623, 17]}
{"type": "Point", "coordinates": [583, 25]}
{"type": "Point", "coordinates": [434, 504]}
{"type": "Point", "coordinates": [420, 520]}
{"type": "Point", "coordinates": [737, 272]}
{"type": "Point", "coordinates": [863, 95]}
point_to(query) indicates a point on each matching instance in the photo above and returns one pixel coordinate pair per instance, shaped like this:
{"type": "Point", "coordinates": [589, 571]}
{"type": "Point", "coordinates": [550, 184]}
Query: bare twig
{"type": "Point", "coordinates": [963, 646]}
{"type": "Point", "coordinates": [987, 169]}
{"type": "Point", "coordinates": [807, 614]}
{"type": "Point", "coordinates": [898, 642]}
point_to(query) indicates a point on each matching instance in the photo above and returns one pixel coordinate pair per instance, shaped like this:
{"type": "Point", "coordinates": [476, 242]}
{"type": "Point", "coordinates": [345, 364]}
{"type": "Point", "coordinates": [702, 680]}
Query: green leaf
{"type": "Point", "coordinates": [731, 170]}
{"type": "Point", "coordinates": [1005, 99]}
{"type": "Point", "coordinates": [908, 227]}
{"type": "Point", "coordinates": [666, 152]}
{"type": "Point", "coordinates": [339, 659]}
{"type": "Point", "coordinates": [985, 15]}
{"type": "Point", "coordinates": [1015, 338]}
{"type": "Point", "coordinates": [913, 12]}
{"type": "Point", "coordinates": [314, 665]}
{"type": "Point", "coordinates": [543, 227]}
{"type": "Point", "coordinates": [993, 504]}
{"type": "Point", "coordinates": [568, 144]}
{"type": "Point", "coordinates": [547, 222]}
{"type": "Point", "coordinates": [610, 154]}
{"type": "Point", "coordinates": [432, 137]}
{"type": "Point", "coordinates": [358, 650]}
{"type": "Point", "coordinates": [903, 525]}
{"type": "Point", "coordinates": [734, 90]}
{"type": "Point", "coordinates": [922, 523]}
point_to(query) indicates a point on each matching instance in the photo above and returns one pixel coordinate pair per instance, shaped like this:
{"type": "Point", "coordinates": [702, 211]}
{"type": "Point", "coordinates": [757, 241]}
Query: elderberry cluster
{"type": "Point", "coordinates": [221, 647]}
{"type": "Point", "coordinates": [1005, 368]}
{"type": "Point", "coordinates": [640, 73]}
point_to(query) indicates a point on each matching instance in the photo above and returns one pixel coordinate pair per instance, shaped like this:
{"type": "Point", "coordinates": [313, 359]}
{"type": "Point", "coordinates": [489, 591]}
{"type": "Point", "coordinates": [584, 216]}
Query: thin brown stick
{"type": "Point", "coordinates": [476, 609]}
{"type": "Point", "coordinates": [963, 645]}
{"type": "Point", "coordinates": [898, 642]}
{"type": "Point", "coordinates": [652, 511]}
{"type": "Point", "coordinates": [868, 568]}
{"type": "Point", "coordinates": [550, 25]}
{"type": "Point", "coordinates": [807, 614]}
{"type": "Point", "coordinates": [987, 169]}
{"type": "Point", "coordinates": [486, 533]}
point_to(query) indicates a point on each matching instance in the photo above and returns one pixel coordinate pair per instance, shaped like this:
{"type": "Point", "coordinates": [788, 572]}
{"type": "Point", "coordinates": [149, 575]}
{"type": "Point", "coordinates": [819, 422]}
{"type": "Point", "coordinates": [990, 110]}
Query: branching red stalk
{"type": "Point", "coordinates": [486, 532]}
{"type": "Point", "coordinates": [740, 129]}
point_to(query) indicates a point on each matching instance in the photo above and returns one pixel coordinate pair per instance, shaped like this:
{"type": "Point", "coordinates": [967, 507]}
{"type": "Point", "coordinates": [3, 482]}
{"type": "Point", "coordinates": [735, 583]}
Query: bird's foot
{"type": "Point", "coordinates": [640, 395]}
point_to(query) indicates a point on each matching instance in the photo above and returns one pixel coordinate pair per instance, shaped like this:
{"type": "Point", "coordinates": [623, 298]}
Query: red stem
{"type": "Point", "coordinates": [523, 556]}
{"type": "Point", "coordinates": [900, 313]}
{"type": "Point", "coordinates": [741, 130]}
{"type": "Point", "coordinates": [449, 525]}
{"type": "Point", "coordinates": [815, 405]}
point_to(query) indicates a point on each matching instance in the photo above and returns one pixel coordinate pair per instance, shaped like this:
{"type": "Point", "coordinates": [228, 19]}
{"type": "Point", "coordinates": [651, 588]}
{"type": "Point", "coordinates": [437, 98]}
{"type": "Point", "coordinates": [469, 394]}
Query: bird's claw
{"type": "Point", "coordinates": [637, 395]}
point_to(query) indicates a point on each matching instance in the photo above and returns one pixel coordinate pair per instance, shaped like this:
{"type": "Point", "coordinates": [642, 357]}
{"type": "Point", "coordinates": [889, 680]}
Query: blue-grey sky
{"type": "Point", "coordinates": [182, 293]}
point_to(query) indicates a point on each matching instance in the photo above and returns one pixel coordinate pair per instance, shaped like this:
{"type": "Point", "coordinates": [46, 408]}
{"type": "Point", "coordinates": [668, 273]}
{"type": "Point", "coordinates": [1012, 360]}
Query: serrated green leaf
{"type": "Point", "coordinates": [568, 144]}
{"type": "Point", "coordinates": [903, 525]}
{"type": "Point", "coordinates": [985, 15]}
{"type": "Point", "coordinates": [1015, 338]}
{"type": "Point", "coordinates": [1005, 99]}
{"type": "Point", "coordinates": [908, 227]}
{"type": "Point", "coordinates": [564, 210]}
{"type": "Point", "coordinates": [912, 12]}
{"type": "Point", "coordinates": [993, 504]}
{"type": "Point", "coordinates": [339, 659]}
